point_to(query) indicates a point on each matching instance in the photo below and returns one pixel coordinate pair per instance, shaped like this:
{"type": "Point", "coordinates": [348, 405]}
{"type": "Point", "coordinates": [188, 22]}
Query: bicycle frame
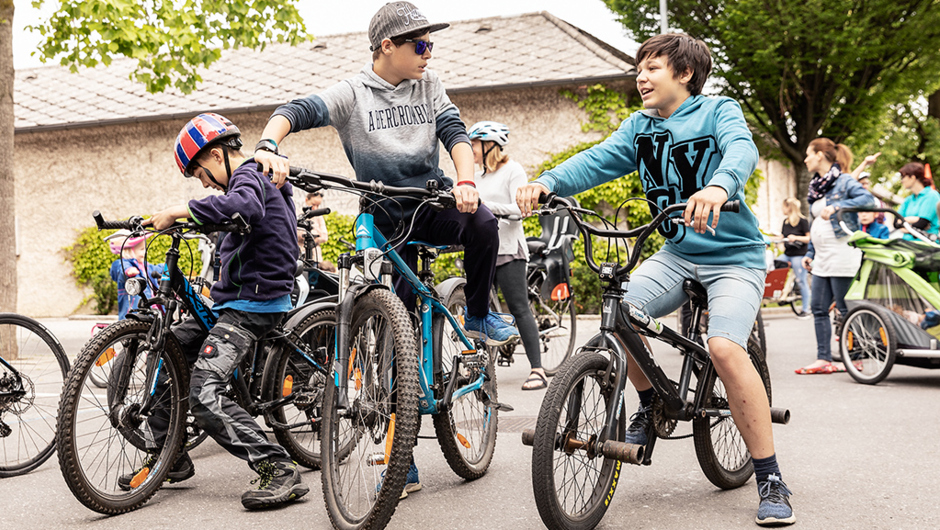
{"type": "Point", "coordinates": [367, 237]}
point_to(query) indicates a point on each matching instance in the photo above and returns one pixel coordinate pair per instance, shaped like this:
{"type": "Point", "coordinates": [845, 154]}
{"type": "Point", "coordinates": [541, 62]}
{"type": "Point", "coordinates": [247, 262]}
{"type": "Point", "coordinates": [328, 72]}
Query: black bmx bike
{"type": "Point", "coordinates": [577, 447]}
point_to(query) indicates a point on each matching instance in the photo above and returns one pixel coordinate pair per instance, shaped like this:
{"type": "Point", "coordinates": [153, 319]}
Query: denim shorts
{"type": "Point", "coordinates": [734, 292]}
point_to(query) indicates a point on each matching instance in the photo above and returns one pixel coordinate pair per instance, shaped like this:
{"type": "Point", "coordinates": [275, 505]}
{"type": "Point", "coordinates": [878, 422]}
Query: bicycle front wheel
{"type": "Point", "coordinates": [719, 446]}
{"type": "Point", "coordinates": [297, 423]}
{"type": "Point", "coordinates": [572, 481]}
{"type": "Point", "coordinates": [558, 326]}
{"type": "Point", "coordinates": [32, 370]}
{"type": "Point", "coordinates": [103, 438]}
{"type": "Point", "coordinates": [362, 486]}
{"type": "Point", "coordinates": [466, 430]}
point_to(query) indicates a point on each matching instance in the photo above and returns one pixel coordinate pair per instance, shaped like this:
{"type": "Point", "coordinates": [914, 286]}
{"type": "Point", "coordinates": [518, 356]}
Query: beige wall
{"type": "Point", "coordinates": [779, 183]}
{"type": "Point", "coordinates": [123, 170]}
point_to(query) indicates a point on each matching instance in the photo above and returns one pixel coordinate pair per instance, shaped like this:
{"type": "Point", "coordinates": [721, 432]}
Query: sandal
{"type": "Point", "coordinates": [535, 377]}
{"type": "Point", "coordinates": [824, 369]}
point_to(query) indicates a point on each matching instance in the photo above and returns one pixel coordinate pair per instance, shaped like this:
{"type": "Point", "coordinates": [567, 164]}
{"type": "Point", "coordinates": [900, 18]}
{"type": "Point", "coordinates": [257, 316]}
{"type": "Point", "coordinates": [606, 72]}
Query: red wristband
{"type": "Point", "coordinates": [467, 182]}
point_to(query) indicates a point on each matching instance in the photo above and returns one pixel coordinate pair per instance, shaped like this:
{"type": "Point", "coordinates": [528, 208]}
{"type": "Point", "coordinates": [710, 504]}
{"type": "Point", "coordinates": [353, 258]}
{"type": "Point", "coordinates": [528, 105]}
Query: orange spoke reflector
{"type": "Point", "coordinates": [358, 379]}
{"type": "Point", "coordinates": [560, 292]}
{"type": "Point", "coordinates": [849, 340]}
{"type": "Point", "coordinates": [105, 357]}
{"type": "Point", "coordinates": [390, 437]}
{"type": "Point", "coordinates": [463, 441]}
{"type": "Point", "coordinates": [884, 337]}
{"type": "Point", "coordinates": [140, 477]}
{"type": "Point", "coordinates": [352, 359]}
{"type": "Point", "coordinates": [288, 386]}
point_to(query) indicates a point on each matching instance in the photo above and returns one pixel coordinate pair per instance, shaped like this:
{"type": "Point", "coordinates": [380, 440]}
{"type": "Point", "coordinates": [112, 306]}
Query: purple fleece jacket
{"type": "Point", "coordinates": [259, 265]}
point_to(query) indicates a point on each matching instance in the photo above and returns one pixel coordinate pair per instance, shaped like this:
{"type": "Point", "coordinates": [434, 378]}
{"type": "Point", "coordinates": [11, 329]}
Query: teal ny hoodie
{"type": "Point", "coordinates": [705, 142]}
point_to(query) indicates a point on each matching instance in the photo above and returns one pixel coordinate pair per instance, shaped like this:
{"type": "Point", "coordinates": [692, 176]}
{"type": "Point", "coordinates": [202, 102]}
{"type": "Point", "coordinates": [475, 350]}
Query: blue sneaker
{"type": "Point", "coordinates": [492, 330]}
{"type": "Point", "coordinates": [412, 484]}
{"type": "Point", "coordinates": [774, 506]}
{"type": "Point", "coordinates": [639, 426]}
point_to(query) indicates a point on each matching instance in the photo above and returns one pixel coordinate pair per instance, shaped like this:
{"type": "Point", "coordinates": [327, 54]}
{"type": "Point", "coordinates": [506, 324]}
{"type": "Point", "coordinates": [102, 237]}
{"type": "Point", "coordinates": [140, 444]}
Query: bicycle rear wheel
{"type": "Point", "coordinates": [31, 375]}
{"type": "Point", "coordinates": [573, 486]}
{"type": "Point", "coordinates": [362, 488]}
{"type": "Point", "coordinates": [558, 326]}
{"type": "Point", "coordinates": [287, 373]}
{"type": "Point", "coordinates": [466, 430]}
{"type": "Point", "coordinates": [719, 446]}
{"type": "Point", "coordinates": [101, 435]}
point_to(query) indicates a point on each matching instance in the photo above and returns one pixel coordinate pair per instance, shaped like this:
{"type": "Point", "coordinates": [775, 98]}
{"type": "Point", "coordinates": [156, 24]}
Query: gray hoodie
{"type": "Point", "coordinates": [390, 133]}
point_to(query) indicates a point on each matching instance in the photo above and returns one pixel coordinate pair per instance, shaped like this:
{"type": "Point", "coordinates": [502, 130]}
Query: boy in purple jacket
{"type": "Point", "coordinates": [251, 297]}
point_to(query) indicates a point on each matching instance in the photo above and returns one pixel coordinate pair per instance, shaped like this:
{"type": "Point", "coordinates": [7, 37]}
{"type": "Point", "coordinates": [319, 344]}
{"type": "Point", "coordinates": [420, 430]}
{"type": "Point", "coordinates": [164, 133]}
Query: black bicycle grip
{"type": "Point", "coordinates": [731, 206]}
{"type": "Point", "coordinates": [545, 199]}
{"type": "Point", "coordinates": [110, 225]}
{"type": "Point", "coordinates": [318, 212]}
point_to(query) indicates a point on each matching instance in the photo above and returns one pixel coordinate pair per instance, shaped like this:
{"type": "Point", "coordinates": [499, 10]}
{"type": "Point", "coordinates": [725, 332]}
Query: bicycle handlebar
{"type": "Point", "coordinates": [899, 221]}
{"type": "Point", "coordinates": [641, 233]}
{"type": "Point", "coordinates": [134, 225]}
{"type": "Point", "coordinates": [309, 214]}
{"type": "Point", "coordinates": [313, 180]}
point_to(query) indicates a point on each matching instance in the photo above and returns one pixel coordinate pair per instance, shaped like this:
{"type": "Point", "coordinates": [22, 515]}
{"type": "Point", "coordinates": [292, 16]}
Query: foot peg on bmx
{"type": "Point", "coordinates": [781, 416]}
{"type": "Point", "coordinates": [627, 453]}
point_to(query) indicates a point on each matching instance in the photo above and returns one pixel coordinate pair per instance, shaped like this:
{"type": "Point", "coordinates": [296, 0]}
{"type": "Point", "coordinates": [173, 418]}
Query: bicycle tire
{"type": "Point", "coordinates": [286, 375]}
{"type": "Point", "coordinates": [558, 327]}
{"type": "Point", "coordinates": [760, 333]}
{"type": "Point", "coordinates": [552, 492]}
{"type": "Point", "coordinates": [467, 429]}
{"type": "Point", "coordinates": [92, 460]}
{"type": "Point", "coordinates": [43, 367]}
{"type": "Point", "coordinates": [868, 355]}
{"type": "Point", "coordinates": [719, 446]}
{"type": "Point", "coordinates": [381, 323]}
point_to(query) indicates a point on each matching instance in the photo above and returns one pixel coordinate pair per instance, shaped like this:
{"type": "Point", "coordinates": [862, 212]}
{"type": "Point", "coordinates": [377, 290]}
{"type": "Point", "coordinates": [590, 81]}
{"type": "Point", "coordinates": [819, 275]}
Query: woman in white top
{"type": "Point", "coordinates": [829, 258]}
{"type": "Point", "coordinates": [497, 184]}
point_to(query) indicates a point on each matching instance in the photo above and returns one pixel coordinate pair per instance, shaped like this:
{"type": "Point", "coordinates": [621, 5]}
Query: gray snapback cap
{"type": "Point", "coordinates": [398, 18]}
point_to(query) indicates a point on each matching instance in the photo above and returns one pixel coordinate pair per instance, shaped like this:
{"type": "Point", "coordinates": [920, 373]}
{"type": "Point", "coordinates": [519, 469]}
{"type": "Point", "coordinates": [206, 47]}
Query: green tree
{"type": "Point", "coordinates": [171, 41]}
{"type": "Point", "coordinates": [806, 68]}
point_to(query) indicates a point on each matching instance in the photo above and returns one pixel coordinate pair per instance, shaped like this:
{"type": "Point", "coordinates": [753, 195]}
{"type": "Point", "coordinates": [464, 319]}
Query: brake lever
{"type": "Point", "coordinates": [707, 226]}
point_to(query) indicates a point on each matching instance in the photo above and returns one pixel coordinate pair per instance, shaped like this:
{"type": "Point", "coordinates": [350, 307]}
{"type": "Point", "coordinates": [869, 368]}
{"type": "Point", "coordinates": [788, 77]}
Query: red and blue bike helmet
{"type": "Point", "coordinates": [202, 133]}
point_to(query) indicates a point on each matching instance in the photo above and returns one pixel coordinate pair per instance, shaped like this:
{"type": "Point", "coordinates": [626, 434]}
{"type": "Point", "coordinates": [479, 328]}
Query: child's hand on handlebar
{"type": "Point", "coordinates": [278, 167]}
{"type": "Point", "coordinates": [527, 197]}
{"type": "Point", "coordinates": [467, 198]}
{"type": "Point", "coordinates": [166, 218]}
{"type": "Point", "coordinates": [704, 202]}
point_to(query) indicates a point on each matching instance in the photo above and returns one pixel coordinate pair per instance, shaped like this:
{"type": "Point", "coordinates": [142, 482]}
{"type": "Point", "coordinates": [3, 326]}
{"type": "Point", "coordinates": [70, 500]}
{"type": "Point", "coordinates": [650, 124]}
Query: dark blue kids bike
{"type": "Point", "coordinates": [390, 366]}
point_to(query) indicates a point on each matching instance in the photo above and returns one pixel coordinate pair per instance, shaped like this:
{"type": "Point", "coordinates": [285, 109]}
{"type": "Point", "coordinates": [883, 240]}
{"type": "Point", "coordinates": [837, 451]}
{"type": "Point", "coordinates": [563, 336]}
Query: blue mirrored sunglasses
{"type": "Point", "coordinates": [421, 46]}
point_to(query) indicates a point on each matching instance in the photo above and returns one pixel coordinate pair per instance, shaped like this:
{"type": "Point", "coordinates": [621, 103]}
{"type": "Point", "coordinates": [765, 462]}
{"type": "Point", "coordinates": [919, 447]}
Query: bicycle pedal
{"type": "Point", "coordinates": [502, 407]}
{"type": "Point", "coordinates": [304, 399]}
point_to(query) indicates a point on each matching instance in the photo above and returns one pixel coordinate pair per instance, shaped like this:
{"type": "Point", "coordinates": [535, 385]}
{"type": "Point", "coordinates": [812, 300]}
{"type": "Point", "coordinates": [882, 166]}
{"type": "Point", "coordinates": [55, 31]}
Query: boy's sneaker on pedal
{"type": "Point", "coordinates": [280, 483]}
{"type": "Point", "coordinates": [639, 426]}
{"type": "Point", "coordinates": [774, 509]}
{"type": "Point", "coordinates": [182, 470]}
{"type": "Point", "coordinates": [492, 329]}
{"type": "Point", "coordinates": [412, 483]}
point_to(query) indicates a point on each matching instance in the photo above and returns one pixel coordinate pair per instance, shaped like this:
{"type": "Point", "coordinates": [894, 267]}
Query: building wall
{"type": "Point", "coordinates": [122, 170]}
{"type": "Point", "coordinates": [779, 183]}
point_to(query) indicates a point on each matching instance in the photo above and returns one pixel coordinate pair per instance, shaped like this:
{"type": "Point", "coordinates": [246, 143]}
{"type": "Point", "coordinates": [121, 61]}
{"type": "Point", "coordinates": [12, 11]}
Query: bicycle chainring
{"type": "Point", "coordinates": [663, 425]}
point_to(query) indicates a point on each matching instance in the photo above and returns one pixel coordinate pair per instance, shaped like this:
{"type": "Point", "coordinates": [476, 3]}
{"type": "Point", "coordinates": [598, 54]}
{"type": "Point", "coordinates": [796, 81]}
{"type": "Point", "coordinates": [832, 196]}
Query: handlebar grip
{"type": "Point", "coordinates": [731, 206]}
{"type": "Point", "coordinates": [110, 225]}
{"type": "Point", "coordinates": [545, 199]}
{"type": "Point", "coordinates": [318, 212]}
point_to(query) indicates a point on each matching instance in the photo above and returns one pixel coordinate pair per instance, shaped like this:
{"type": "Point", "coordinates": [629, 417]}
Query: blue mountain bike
{"type": "Point", "coordinates": [384, 376]}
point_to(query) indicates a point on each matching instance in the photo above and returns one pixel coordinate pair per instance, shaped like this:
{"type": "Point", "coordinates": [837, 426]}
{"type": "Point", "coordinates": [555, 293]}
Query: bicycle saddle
{"type": "Point", "coordinates": [697, 293]}
{"type": "Point", "coordinates": [536, 246]}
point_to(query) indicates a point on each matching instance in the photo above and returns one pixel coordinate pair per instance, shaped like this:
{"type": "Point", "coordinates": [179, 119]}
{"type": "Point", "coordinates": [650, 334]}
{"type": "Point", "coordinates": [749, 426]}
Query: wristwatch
{"type": "Point", "coordinates": [267, 144]}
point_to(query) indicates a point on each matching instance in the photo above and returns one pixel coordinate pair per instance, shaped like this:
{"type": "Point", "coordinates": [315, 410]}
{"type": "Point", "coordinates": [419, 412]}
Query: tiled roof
{"type": "Point", "coordinates": [472, 55]}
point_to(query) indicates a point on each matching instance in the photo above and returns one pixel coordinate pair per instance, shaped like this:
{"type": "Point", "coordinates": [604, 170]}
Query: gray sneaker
{"type": "Point", "coordinates": [774, 509]}
{"type": "Point", "coordinates": [280, 483]}
{"type": "Point", "coordinates": [639, 426]}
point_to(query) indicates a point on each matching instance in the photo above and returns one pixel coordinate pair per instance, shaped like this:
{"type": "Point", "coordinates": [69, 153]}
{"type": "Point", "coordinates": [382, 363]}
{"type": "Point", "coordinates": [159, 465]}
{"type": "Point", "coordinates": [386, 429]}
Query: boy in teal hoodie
{"type": "Point", "coordinates": [695, 149]}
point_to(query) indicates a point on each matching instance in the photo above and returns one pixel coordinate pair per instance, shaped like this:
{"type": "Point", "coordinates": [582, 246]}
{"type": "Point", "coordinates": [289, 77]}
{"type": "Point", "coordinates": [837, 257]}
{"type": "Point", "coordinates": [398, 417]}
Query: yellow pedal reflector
{"type": "Point", "coordinates": [206, 292]}
{"type": "Point", "coordinates": [358, 379]}
{"type": "Point", "coordinates": [884, 336]}
{"type": "Point", "coordinates": [288, 386]}
{"type": "Point", "coordinates": [352, 359]}
{"type": "Point", "coordinates": [140, 477]}
{"type": "Point", "coordinates": [849, 340]}
{"type": "Point", "coordinates": [463, 440]}
{"type": "Point", "coordinates": [105, 357]}
{"type": "Point", "coordinates": [468, 352]}
{"type": "Point", "coordinates": [390, 437]}
{"type": "Point", "coordinates": [376, 459]}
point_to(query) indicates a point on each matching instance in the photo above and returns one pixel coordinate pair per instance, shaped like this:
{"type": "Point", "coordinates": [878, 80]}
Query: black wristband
{"type": "Point", "coordinates": [268, 145]}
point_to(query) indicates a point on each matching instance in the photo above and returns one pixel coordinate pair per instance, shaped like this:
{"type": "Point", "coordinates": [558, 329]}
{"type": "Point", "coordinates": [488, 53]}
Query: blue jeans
{"type": "Point", "coordinates": [825, 290]}
{"type": "Point", "coordinates": [796, 263]}
{"type": "Point", "coordinates": [734, 292]}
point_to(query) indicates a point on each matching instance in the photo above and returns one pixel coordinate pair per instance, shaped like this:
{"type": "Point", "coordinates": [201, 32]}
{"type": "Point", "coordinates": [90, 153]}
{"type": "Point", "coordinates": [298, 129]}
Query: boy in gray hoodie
{"type": "Point", "coordinates": [391, 118]}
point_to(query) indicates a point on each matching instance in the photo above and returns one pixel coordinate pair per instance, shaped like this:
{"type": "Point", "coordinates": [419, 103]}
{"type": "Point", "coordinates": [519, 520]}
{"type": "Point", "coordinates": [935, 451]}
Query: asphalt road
{"type": "Point", "coordinates": [855, 456]}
